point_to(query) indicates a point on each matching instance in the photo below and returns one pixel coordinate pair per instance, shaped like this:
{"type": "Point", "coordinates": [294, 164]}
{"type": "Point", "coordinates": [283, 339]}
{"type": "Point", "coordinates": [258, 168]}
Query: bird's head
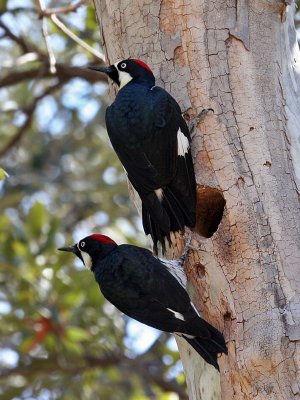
{"type": "Point", "coordinates": [91, 248]}
{"type": "Point", "coordinates": [122, 72]}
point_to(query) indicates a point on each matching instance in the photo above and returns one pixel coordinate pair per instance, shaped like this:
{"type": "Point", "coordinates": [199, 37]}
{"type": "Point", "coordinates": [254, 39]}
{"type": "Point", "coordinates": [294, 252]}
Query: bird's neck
{"type": "Point", "coordinates": [140, 81]}
{"type": "Point", "coordinates": [106, 266]}
{"type": "Point", "coordinates": [106, 249]}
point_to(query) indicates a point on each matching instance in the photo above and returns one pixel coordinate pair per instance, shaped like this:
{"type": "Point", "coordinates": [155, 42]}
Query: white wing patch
{"type": "Point", "coordinates": [189, 336]}
{"type": "Point", "coordinates": [177, 314]}
{"type": "Point", "coordinates": [175, 267]}
{"type": "Point", "coordinates": [183, 144]}
{"type": "Point", "coordinates": [159, 193]}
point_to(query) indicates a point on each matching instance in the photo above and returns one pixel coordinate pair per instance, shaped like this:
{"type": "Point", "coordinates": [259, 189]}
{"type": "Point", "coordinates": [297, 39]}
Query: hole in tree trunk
{"type": "Point", "coordinates": [210, 208]}
{"type": "Point", "coordinates": [200, 269]}
{"type": "Point", "coordinates": [227, 316]}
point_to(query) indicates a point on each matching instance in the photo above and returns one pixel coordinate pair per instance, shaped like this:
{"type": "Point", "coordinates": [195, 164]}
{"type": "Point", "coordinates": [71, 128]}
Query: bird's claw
{"type": "Point", "coordinates": [190, 247]}
{"type": "Point", "coordinates": [200, 117]}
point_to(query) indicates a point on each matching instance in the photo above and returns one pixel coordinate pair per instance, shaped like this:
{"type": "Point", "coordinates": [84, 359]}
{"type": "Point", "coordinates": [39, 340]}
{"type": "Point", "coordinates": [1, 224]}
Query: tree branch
{"type": "Point", "coordinates": [66, 9]}
{"type": "Point", "coordinates": [29, 112]}
{"type": "Point", "coordinates": [21, 131]}
{"type": "Point", "coordinates": [159, 380]}
{"type": "Point", "coordinates": [52, 60]}
{"type": "Point", "coordinates": [62, 72]}
{"type": "Point", "coordinates": [156, 345]}
{"type": "Point", "coordinates": [111, 359]}
{"type": "Point", "coordinates": [76, 39]}
{"type": "Point", "coordinates": [39, 366]}
{"type": "Point", "coordinates": [17, 39]}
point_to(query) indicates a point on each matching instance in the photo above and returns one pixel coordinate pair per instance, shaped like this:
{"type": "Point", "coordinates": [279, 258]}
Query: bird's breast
{"type": "Point", "coordinates": [130, 117]}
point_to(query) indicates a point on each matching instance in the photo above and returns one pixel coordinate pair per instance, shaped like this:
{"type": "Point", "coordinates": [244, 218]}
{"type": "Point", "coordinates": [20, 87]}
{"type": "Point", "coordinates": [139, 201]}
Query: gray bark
{"type": "Point", "coordinates": [239, 58]}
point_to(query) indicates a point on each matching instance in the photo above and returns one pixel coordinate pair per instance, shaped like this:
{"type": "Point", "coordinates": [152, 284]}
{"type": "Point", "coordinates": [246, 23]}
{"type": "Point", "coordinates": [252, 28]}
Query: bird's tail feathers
{"type": "Point", "coordinates": [156, 221]}
{"type": "Point", "coordinates": [201, 346]}
{"type": "Point", "coordinates": [164, 215]}
{"type": "Point", "coordinates": [217, 339]}
{"type": "Point", "coordinates": [178, 213]}
{"type": "Point", "coordinates": [210, 347]}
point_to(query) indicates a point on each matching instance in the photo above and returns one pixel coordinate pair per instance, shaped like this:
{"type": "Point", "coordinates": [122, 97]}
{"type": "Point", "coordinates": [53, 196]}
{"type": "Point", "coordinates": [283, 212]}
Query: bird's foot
{"type": "Point", "coordinates": [193, 248]}
{"type": "Point", "coordinates": [187, 244]}
{"type": "Point", "coordinates": [187, 238]}
{"type": "Point", "coordinates": [200, 117]}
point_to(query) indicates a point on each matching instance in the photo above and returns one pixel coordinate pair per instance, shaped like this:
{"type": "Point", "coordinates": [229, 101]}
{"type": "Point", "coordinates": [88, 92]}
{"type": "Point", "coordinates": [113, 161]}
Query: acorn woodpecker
{"type": "Point", "coordinates": [152, 141]}
{"type": "Point", "coordinates": [149, 290]}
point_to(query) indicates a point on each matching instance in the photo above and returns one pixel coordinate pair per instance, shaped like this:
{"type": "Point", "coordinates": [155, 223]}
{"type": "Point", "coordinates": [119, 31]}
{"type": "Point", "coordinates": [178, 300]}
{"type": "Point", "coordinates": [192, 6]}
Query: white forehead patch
{"type": "Point", "coordinates": [124, 77]}
{"type": "Point", "coordinates": [183, 144]}
{"type": "Point", "coordinates": [87, 259]}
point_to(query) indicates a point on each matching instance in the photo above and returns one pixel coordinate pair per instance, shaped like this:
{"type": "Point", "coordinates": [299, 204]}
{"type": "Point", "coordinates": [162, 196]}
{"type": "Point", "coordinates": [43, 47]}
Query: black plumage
{"type": "Point", "coordinates": [152, 141]}
{"type": "Point", "coordinates": [143, 287]}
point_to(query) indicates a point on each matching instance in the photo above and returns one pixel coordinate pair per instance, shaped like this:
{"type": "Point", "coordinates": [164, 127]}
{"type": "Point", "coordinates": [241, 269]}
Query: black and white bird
{"type": "Point", "coordinates": [152, 141]}
{"type": "Point", "coordinates": [149, 290]}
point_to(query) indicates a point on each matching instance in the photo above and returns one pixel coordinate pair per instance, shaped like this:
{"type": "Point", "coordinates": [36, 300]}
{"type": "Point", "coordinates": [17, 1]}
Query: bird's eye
{"type": "Point", "coordinates": [82, 244]}
{"type": "Point", "coordinates": [123, 65]}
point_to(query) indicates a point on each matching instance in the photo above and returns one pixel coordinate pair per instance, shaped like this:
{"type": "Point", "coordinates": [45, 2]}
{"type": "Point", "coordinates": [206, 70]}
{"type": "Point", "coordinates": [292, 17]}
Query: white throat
{"type": "Point", "coordinates": [87, 259]}
{"type": "Point", "coordinates": [124, 77]}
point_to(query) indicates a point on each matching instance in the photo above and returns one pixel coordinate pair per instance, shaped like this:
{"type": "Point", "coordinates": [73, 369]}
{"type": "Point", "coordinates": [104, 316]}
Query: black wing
{"type": "Point", "coordinates": [142, 125]}
{"type": "Point", "coordinates": [149, 293]}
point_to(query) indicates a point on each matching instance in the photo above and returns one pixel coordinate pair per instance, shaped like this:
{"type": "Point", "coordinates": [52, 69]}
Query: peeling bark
{"type": "Point", "coordinates": [241, 28]}
{"type": "Point", "coordinates": [239, 58]}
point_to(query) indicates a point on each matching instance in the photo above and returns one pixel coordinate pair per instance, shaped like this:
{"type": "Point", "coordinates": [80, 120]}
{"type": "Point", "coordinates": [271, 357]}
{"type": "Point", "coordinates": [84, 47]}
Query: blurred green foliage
{"type": "Point", "coordinates": [59, 338]}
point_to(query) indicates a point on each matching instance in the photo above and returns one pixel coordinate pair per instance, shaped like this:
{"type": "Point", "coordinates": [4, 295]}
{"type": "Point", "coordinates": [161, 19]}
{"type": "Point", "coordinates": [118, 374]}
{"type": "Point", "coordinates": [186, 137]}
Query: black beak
{"type": "Point", "coordinates": [72, 249]}
{"type": "Point", "coordinates": [107, 70]}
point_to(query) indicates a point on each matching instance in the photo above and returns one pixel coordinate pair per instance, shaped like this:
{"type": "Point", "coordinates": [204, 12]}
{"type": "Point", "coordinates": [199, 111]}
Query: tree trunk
{"type": "Point", "coordinates": [239, 58]}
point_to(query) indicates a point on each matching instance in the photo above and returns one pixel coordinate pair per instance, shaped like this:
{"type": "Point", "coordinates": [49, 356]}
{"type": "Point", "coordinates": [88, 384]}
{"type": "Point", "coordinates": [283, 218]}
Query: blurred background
{"type": "Point", "coordinates": [59, 339]}
{"type": "Point", "coordinates": [59, 181]}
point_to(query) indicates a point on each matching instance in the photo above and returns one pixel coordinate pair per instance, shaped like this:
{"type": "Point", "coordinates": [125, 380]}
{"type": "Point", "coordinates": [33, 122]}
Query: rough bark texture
{"type": "Point", "coordinates": [240, 58]}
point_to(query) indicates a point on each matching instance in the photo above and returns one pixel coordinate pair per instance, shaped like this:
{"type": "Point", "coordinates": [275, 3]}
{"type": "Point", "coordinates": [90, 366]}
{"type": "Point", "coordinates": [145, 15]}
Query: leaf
{"type": "Point", "coordinates": [3, 174]}
{"type": "Point", "coordinates": [90, 19]}
{"type": "Point", "coordinates": [26, 344]}
{"type": "Point", "coordinates": [4, 223]}
{"type": "Point", "coordinates": [12, 393]}
{"type": "Point", "coordinates": [50, 342]}
{"type": "Point", "coordinates": [37, 218]}
{"type": "Point", "coordinates": [3, 5]}
{"type": "Point", "coordinates": [20, 249]}
{"type": "Point", "coordinates": [72, 299]}
{"type": "Point", "coordinates": [71, 346]}
{"type": "Point", "coordinates": [76, 334]}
